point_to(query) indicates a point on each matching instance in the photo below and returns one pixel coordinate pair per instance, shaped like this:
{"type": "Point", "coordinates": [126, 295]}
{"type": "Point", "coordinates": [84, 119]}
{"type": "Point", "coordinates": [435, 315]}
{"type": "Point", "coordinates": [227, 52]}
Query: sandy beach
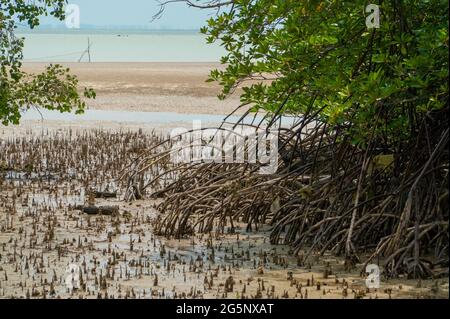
{"type": "Point", "coordinates": [150, 87]}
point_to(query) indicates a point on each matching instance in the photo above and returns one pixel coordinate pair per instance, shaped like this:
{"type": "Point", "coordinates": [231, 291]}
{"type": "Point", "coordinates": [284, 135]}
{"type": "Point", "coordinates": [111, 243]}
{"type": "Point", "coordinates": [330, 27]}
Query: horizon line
{"type": "Point", "coordinates": [106, 27]}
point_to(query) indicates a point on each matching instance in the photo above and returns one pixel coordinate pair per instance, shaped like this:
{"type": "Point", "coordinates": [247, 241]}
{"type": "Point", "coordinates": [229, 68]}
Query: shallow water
{"type": "Point", "coordinates": [119, 46]}
{"type": "Point", "coordinates": [123, 116]}
{"type": "Point", "coordinates": [157, 118]}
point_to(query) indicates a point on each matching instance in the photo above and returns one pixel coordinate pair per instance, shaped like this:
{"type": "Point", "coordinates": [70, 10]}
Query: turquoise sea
{"type": "Point", "coordinates": [68, 45]}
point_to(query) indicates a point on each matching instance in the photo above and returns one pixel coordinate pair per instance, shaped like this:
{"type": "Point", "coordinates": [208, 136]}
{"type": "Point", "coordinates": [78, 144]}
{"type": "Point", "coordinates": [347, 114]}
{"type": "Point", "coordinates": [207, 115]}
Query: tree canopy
{"type": "Point", "coordinates": [320, 56]}
{"type": "Point", "coordinates": [53, 89]}
{"type": "Point", "coordinates": [365, 164]}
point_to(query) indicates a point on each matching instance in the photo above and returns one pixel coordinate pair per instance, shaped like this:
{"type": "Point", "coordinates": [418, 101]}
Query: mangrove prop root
{"type": "Point", "coordinates": [387, 203]}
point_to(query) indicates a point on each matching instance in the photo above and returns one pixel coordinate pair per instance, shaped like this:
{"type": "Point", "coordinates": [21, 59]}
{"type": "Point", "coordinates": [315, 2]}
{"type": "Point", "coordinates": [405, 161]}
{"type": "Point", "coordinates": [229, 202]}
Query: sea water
{"type": "Point", "coordinates": [68, 45]}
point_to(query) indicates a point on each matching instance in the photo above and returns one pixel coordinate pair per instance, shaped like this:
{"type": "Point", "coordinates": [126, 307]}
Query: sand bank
{"type": "Point", "coordinates": [150, 87]}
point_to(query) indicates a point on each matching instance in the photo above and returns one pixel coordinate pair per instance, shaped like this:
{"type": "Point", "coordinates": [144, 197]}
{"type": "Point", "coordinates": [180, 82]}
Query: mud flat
{"type": "Point", "coordinates": [50, 248]}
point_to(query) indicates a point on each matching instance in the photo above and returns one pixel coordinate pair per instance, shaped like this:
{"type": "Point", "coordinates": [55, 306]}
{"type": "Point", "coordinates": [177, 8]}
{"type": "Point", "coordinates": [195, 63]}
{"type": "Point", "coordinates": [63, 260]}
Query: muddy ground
{"type": "Point", "coordinates": [50, 248]}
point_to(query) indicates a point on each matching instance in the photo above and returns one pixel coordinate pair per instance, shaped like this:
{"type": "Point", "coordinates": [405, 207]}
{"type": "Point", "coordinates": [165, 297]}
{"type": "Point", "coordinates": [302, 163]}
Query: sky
{"type": "Point", "coordinates": [119, 13]}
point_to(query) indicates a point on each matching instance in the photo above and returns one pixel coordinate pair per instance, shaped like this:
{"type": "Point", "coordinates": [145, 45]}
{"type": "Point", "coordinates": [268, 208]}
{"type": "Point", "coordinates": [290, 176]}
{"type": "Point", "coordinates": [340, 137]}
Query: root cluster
{"type": "Point", "coordinates": [382, 203]}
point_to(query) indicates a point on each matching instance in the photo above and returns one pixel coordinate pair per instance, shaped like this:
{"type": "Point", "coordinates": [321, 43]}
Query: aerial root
{"type": "Point", "coordinates": [328, 195]}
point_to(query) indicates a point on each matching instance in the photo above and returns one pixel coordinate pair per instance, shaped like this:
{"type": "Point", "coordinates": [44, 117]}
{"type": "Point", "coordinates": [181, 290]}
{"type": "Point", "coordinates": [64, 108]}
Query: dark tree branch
{"type": "Point", "coordinates": [213, 4]}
